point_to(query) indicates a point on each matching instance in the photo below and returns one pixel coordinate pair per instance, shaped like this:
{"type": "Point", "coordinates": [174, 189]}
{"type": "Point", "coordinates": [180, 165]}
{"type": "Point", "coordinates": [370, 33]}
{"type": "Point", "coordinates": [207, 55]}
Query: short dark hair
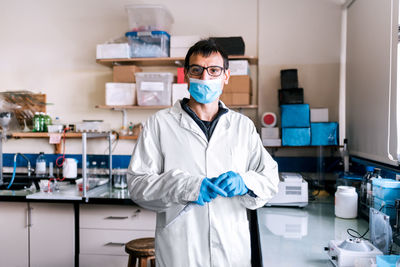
{"type": "Point", "coordinates": [205, 48]}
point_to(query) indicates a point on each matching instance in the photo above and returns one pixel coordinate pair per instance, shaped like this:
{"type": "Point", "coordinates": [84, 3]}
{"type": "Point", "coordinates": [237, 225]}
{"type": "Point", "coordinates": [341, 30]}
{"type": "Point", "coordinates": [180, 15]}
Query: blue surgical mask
{"type": "Point", "coordinates": [205, 91]}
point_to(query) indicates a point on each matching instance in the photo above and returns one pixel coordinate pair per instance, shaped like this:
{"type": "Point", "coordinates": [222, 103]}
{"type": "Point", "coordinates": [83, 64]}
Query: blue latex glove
{"type": "Point", "coordinates": [208, 191]}
{"type": "Point", "coordinates": [232, 183]}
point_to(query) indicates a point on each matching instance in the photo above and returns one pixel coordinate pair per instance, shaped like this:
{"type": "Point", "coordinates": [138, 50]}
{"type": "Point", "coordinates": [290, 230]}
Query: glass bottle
{"type": "Point", "coordinates": [345, 156]}
{"type": "Point", "coordinates": [41, 121]}
{"type": "Point", "coordinates": [41, 165]}
{"type": "Point", "coordinates": [365, 185]}
{"type": "Point", "coordinates": [375, 175]}
{"type": "Point", "coordinates": [36, 122]}
{"type": "Point", "coordinates": [47, 121]}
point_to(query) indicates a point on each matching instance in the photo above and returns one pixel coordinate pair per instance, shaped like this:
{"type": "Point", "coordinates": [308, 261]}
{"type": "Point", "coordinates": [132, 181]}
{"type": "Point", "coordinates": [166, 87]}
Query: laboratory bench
{"type": "Point", "coordinates": [283, 236]}
{"type": "Point", "coordinates": [292, 236]}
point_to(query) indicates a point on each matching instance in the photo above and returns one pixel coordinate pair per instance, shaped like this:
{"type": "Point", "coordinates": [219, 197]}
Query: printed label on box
{"type": "Point", "coordinates": [151, 86]}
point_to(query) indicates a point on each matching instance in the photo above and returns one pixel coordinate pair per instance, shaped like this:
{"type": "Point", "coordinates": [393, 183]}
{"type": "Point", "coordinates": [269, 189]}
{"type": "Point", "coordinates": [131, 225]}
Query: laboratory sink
{"type": "Point", "coordinates": [21, 181]}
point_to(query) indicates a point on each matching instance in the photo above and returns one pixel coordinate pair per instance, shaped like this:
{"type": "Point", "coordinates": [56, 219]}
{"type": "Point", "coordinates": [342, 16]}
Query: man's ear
{"type": "Point", "coordinates": [227, 75]}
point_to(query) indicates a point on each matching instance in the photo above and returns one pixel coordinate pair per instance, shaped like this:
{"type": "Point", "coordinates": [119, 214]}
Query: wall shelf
{"type": "Point", "coordinates": [69, 135]}
{"type": "Point", "coordinates": [162, 107]}
{"type": "Point", "coordinates": [159, 61]}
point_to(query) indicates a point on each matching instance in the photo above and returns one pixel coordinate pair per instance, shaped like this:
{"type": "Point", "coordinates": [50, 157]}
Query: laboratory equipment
{"type": "Point", "coordinates": [293, 191]}
{"type": "Point", "coordinates": [70, 168]}
{"type": "Point", "coordinates": [344, 253]}
{"type": "Point", "coordinates": [120, 179]}
{"type": "Point", "coordinates": [380, 230]}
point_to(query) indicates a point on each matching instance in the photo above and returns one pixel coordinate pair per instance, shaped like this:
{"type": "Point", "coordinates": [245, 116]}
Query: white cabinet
{"type": "Point", "coordinates": [36, 234]}
{"type": "Point", "coordinates": [14, 234]}
{"type": "Point", "coordinates": [52, 238]}
{"type": "Point", "coordinates": [104, 230]}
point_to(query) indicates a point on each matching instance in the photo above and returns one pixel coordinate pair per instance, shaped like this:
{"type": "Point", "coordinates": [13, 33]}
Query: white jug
{"type": "Point", "coordinates": [70, 168]}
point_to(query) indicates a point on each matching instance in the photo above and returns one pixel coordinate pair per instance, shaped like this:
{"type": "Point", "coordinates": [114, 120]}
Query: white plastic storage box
{"type": "Point", "coordinates": [142, 17]}
{"type": "Point", "coordinates": [154, 88]}
{"type": "Point", "coordinates": [112, 51]}
{"type": "Point", "coordinates": [148, 44]}
{"type": "Point", "coordinates": [386, 189]}
{"type": "Point", "coordinates": [120, 94]}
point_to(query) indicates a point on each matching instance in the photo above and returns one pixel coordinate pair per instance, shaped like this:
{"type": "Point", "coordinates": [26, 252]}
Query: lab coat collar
{"type": "Point", "coordinates": [188, 123]}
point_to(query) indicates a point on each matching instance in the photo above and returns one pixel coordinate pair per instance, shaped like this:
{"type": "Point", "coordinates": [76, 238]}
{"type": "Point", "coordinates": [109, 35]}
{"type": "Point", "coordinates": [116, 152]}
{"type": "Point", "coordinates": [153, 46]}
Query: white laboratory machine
{"type": "Point", "coordinates": [346, 253]}
{"type": "Point", "coordinates": [293, 191]}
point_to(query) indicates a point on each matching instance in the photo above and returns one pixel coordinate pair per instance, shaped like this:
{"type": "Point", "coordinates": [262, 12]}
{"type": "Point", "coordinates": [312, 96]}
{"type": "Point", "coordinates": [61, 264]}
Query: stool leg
{"type": "Point", "coordinates": [131, 261]}
{"type": "Point", "coordinates": [142, 262]}
{"type": "Point", "coordinates": [153, 263]}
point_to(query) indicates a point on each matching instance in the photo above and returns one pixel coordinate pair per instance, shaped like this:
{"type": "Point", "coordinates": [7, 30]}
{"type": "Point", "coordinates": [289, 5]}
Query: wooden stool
{"type": "Point", "coordinates": [141, 249]}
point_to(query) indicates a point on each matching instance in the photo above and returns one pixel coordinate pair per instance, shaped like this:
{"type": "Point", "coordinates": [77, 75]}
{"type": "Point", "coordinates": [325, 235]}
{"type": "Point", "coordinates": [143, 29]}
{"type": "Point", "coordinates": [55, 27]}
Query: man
{"type": "Point", "coordinates": [201, 155]}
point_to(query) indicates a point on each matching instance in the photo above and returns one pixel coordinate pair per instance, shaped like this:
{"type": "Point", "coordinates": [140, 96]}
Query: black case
{"type": "Point", "coordinates": [231, 45]}
{"type": "Point", "coordinates": [291, 96]}
{"type": "Point", "coordinates": [289, 79]}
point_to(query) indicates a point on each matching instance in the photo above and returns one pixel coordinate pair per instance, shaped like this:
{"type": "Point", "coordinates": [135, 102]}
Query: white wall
{"type": "Point", "coordinates": [49, 46]}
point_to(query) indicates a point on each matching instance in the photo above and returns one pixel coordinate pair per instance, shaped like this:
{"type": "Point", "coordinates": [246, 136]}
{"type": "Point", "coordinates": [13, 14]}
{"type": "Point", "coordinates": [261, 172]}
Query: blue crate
{"type": "Point", "coordinates": [324, 133]}
{"type": "Point", "coordinates": [386, 189]}
{"type": "Point", "coordinates": [296, 136]}
{"type": "Point", "coordinates": [387, 260]}
{"type": "Point", "coordinates": [295, 116]}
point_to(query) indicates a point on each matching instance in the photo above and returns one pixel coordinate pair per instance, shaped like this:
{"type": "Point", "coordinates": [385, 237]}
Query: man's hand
{"type": "Point", "coordinates": [208, 191]}
{"type": "Point", "coordinates": [232, 183]}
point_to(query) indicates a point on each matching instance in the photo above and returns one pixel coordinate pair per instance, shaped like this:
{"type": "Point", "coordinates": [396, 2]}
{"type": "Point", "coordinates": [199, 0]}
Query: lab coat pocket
{"type": "Point", "coordinates": [240, 250]}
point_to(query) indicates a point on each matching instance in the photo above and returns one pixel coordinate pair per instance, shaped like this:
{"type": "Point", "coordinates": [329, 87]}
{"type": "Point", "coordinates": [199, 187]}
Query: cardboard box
{"type": "Point", "coordinates": [120, 94]}
{"type": "Point", "coordinates": [113, 51]}
{"type": "Point", "coordinates": [238, 84]}
{"type": "Point", "coordinates": [319, 115]}
{"type": "Point", "coordinates": [179, 91]}
{"type": "Point", "coordinates": [296, 136]}
{"type": "Point", "coordinates": [269, 133]}
{"type": "Point", "coordinates": [232, 99]}
{"type": "Point", "coordinates": [295, 115]}
{"type": "Point", "coordinates": [239, 67]}
{"type": "Point", "coordinates": [324, 133]}
{"type": "Point", "coordinates": [125, 74]}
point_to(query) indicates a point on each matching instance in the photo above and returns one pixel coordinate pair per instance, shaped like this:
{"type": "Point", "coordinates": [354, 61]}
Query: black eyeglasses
{"type": "Point", "coordinates": [197, 70]}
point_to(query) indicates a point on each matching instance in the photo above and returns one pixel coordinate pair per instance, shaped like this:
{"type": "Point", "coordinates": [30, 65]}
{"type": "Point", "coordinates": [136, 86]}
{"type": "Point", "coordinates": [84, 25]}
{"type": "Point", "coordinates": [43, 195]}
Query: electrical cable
{"type": "Point", "coordinates": [358, 234]}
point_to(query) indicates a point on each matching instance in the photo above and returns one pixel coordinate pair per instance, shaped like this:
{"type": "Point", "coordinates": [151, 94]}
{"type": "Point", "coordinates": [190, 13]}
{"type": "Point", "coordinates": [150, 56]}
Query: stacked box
{"type": "Point", "coordinates": [296, 136]}
{"type": "Point", "coordinates": [324, 133]}
{"type": "Point", "coordinates": [237, 91]}
{"type": "Point", "coordinates": [270, 136]}
{"type": "Point", "coordinates": [180, 44]}
{"type": "Point", "coordinates": [295, 116]}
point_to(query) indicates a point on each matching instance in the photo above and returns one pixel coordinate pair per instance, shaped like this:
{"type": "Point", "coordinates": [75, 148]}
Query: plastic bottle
{"type": "Point", "coordinates": [36, 122]}
{"type": "Point", "coordinates": [365, 185]}
{"type": "Point", "coordinates": [41, 165]}
{"type": "Point", "coordinates": [346, 202]}
{"type": "Point", "coordinates": [345, 156]}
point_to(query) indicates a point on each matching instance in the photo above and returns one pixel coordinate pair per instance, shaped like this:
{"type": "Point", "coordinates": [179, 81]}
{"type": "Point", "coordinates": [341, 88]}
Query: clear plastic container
{"type": "Point", "coordinates": [386, 189]}
{"type": "Point", "coordinates": [154, 88]}
{"type": "Point", "coordinates": [119, 178]}
{"type": "Point", "coordinates": [142, 17]}
{"type": "Point", "coordinates": [149, 44]}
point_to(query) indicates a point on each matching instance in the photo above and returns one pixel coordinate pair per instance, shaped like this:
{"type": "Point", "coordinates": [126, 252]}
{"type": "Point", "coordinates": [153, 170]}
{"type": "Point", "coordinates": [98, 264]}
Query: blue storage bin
{"type": "Point", "coordinates": [386, 189]}
{"type": "Point", "coordinates": [149, 44]}
{"type": "Point", "coordinates": [387, 260]}
{"type": "Point", "coordinates": [296, 136]}
{"type": "Point", "coordinates": [387, 207]}
{"type": "Point", "coordinates": [295, 116]}
{"type": "Point", "coordinates": [324, 133]}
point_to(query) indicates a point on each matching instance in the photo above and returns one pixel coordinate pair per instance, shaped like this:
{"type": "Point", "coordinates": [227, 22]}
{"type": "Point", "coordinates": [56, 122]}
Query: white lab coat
{"type": "Point", "coordinates": [171, 158]}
